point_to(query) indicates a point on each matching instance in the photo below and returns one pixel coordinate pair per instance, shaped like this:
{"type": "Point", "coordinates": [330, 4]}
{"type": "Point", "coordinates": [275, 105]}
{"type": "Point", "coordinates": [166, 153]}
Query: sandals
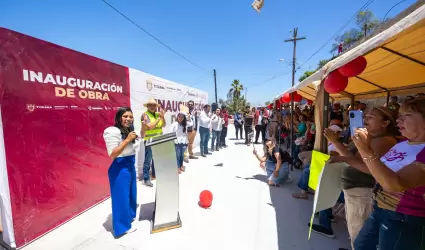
{"type": "Point", "coordinates": [274, 184]}
{"type": "Point", "coordinates": [300, 196]}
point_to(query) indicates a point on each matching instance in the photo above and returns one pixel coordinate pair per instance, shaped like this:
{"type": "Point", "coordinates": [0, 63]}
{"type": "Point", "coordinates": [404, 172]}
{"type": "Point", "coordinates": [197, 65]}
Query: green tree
{"type": "Point", "coordinates": [236, 104]}
{"type": "Point", "coordinates": [267, 103]}
{"type": "Point", "coordinates": [234, 96]}
{"type": "Point", "coordinates": [367, 22]}
{"type": "Point", "coordinates": [305, 75]}
{"type": "Point", "coordinates": [235, 90]}
{"type": "Point", "coordinates": [348, 38]}
{"type": "Point", "coordinates": [322, 63]}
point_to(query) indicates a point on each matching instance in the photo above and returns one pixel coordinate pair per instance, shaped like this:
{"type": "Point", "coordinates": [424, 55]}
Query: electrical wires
{"type": "Point", "coordinates": [268, 80]}
{"type": "Point", "coordinates": [157, 39]}
{"type": "Point", "coordinates": [364, 7]}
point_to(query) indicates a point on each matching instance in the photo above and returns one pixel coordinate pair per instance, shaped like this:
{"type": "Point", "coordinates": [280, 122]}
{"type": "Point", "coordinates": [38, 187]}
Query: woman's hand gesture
{"type": "Point", "coordinates": [161, 113]}
{"type": "Point", "coordinates": [362, 140]}
{"type": "Point", "coordinates": [131, 136]}
{"type": "Point", "coordinates": [336, 159]}
{"type": "Point", "coordinates": [331, 135]}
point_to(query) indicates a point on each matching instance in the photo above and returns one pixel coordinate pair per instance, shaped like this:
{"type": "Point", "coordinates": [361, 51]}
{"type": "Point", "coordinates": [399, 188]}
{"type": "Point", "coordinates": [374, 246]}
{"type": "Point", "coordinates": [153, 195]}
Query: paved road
{"type": "Point", "coordinates": [246, 214]}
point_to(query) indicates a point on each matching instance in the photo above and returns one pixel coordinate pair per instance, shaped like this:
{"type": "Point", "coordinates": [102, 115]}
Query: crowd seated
{"type": "Point", "coordinates": [383, 187]}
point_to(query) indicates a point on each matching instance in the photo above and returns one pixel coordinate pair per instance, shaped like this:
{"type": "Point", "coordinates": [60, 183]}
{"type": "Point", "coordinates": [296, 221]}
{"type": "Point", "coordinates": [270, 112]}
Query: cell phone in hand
{"type": "Point", "coordinates": [356, 120]}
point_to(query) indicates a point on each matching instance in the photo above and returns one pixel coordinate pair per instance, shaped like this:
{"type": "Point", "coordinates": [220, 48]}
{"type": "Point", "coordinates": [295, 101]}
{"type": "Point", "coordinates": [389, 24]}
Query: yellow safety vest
{"type": "Point", "coordinates": [155, 131]}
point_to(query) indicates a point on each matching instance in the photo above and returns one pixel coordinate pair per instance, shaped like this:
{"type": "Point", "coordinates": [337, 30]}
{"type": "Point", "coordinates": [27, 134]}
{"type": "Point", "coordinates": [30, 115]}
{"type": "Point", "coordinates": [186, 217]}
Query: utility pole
{"type": "Point", "coordinates": [246, 94]}
{"type": "Point", "coordinates": [215, 85]}
{"type": "Point", "coordinates": [294, 40]}
{"type": "Point", "coordinates": [365, 30]}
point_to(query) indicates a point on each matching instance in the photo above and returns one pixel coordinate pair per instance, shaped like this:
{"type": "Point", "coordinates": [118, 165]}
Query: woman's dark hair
{"type": "Point", "coordinates": [304, 116]}
{"type": "Point", "coordinates": [118, 123]}
{"type": "Point", "coordinates": [391, 116]}
{"type": "Point", "coordinates": [183, 123]}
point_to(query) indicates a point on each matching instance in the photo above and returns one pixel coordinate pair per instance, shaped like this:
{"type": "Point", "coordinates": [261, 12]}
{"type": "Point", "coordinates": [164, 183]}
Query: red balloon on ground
{"type": "Point", "coordinates": [205, 199]}
{"type": "Point", "coordinates": [354, 68]}
{"type": "Point", "coordinates": [335, 82]}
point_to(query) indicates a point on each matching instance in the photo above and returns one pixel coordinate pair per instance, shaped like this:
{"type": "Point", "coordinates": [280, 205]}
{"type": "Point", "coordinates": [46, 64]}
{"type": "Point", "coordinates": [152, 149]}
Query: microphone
{"type": "Point", "coordinates": [131, 129]}
{"type": "Point", "coordinates": [126, 131]}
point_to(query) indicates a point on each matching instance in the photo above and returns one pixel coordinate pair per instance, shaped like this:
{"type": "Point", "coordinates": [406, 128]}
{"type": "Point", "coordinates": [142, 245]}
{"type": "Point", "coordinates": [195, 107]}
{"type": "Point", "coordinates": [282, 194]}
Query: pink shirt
{"type": "Point", "coordinates": [411, 201]}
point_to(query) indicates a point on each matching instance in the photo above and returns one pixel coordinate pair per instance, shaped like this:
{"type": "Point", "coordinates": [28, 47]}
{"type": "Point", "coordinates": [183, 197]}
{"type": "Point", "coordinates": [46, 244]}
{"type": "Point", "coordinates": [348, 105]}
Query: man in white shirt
{"type": "Point", "coordinates": [216, 128]}
{"type": "Point", "coordinates": [204, 129]}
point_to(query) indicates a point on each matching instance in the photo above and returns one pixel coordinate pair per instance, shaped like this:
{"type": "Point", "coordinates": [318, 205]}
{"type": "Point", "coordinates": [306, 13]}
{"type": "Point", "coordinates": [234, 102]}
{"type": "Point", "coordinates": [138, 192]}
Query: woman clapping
{"type": "Point", "coordinates": [398, 219]}
{"type": "Point", "coordinates": [180, 128]}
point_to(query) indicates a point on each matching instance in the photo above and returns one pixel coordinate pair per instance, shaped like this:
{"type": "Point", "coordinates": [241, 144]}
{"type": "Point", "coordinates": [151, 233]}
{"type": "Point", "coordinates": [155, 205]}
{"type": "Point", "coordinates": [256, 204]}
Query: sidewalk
{"type": "Point", "coordinates": [246, 213]}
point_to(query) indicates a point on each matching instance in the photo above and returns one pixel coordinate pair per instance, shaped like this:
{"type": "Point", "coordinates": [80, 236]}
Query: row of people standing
{"type": "Point", "coordinates": [245, 121]}
{"type": "Point", "coordinates": [186, 127]}
{"type": "Point", "coordinates": [213, 125]}
{"type": "Point", "coordinates": [259, 119]}
{"type": "Point", "coordinates": [120, 141]}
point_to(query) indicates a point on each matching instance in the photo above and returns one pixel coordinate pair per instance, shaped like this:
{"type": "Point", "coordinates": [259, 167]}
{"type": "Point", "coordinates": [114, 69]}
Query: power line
{"type": "Point", "coordinates": [148, 33]}
{"type": "Point", "coordinates": [200, 80]}
{"type": "Point", "coordinates": [268, 80]}
{"type": "Point", "coordinates": [369, 2]}
{"type": "Point", "coordinates": [383, 20]}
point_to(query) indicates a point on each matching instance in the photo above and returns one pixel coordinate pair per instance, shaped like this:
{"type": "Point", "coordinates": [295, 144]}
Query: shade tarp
{"type": "Point", "coordinates": [396, 62]}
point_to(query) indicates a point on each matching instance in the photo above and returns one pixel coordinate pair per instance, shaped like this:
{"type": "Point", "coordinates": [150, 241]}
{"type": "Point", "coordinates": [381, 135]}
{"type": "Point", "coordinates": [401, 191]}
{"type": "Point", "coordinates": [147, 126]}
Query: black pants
{"type": "Point", "coordinates": [248, 129]}
{"type": "Point", "coordinates": [223, 136]}
{"type": "Point", "coordinates": [239, 130]}
{"type": "Point", "coordinates": [260, 129]}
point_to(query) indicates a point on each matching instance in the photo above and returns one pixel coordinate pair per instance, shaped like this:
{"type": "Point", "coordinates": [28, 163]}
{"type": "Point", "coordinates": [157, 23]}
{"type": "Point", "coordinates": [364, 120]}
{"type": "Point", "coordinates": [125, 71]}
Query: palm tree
{"type": "Point", "coordinates": [235, 90]}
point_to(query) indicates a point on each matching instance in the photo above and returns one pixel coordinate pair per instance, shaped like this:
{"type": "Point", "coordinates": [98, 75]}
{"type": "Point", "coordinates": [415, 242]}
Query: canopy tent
{"type": "Point", "coordinates": [396, 63]}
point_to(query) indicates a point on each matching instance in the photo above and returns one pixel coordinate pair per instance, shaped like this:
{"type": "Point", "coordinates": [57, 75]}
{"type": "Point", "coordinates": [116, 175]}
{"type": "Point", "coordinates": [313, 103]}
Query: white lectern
{"type": "Point", "coordinates": [166, 213]}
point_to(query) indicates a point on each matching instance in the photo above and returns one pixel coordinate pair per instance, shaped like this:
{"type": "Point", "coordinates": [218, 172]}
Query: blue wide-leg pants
{"type": "Point", "coordinates": [122, 181]}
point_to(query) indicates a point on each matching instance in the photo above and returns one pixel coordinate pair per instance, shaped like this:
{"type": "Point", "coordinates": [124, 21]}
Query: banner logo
{"type": "Point", "coordinates": [31, 107]}
{"type": "Point", "coordinates": [149, 84]}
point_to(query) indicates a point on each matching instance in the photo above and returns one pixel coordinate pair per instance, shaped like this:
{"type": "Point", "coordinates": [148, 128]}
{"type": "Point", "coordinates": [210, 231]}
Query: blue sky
{"type": "Point", "coordinates": [228, 36]}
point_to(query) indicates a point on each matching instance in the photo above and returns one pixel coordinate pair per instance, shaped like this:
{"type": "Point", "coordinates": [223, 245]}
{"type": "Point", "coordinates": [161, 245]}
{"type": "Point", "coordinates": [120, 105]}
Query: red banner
{"type": "Point", "coordinates": [55, 105]}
